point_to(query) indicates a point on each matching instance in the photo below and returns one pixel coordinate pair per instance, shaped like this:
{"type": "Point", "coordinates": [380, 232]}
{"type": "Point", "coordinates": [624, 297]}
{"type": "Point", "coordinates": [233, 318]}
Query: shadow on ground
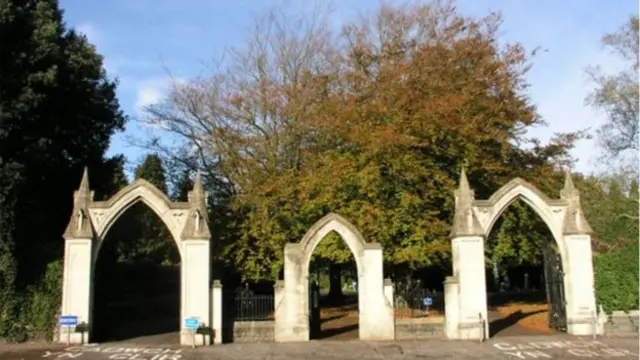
{"type": "Point", "coordinates": [166, 329]}
{"type": "Point", "coordinates": [510, 322]}
{"type": "Point", "coordinates": [339, 321]}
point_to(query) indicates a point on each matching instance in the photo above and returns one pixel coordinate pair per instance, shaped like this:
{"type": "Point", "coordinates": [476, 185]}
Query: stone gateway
{"type": "Point", "coordinates": [465, 291]}
{"type": "Point", "coordinates": [376, 319]}
{"type": "Point", "coordinates": [188, 224]}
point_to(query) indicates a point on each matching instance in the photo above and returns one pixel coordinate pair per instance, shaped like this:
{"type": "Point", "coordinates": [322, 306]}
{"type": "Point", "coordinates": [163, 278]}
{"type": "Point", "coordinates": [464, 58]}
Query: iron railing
{"type": "Point", "coordinates": [253, 307]}
{"type": "Point", "coordinates": [418, 302]}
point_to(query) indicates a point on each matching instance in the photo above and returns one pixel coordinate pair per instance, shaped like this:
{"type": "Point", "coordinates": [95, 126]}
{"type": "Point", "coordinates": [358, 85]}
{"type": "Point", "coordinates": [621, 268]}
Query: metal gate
{"type": "Point", "coordinates": [554, 283]}
{"type": "Point", "coordinates": [315, 321]}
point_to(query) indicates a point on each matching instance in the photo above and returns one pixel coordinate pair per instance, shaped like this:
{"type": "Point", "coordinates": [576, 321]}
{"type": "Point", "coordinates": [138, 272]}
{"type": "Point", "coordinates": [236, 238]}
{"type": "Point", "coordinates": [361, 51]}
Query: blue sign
{"type": "Point", "coordinates": [191, 323]}
{"type": "Point", "coordinates": [68, 320]}
{"type": "Point", "coordinates": [427, 301]}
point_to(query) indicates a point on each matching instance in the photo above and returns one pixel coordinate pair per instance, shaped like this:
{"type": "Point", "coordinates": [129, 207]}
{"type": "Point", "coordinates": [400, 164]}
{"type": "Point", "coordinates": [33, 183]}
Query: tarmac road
{"type": "Point", "coordinates": [558, 347]}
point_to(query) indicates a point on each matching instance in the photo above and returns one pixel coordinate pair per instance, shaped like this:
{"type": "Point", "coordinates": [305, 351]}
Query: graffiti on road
{"type": "Point", "coordinates": [116, 353]}
{"type": "Point", "coordinates": [547, 349]}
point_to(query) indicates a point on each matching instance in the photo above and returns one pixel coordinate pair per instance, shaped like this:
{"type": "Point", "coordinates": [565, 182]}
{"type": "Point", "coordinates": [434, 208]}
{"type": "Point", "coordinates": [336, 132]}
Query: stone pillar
{"type": "Point", "coordinates": [389, 291]}
{"type": "Point", "coordinates": [195, 288]}
{"type": "Point", "coordinates": [76, 287]}
{"type": "Point", "coordinates": [77, 277]}
{"type": "Point", "coordinates": [280, 308]}
{"type": "Point", "coordinates": [473, 323]}
{"type": "Point", "coordinates": [602, 320]}
{"type": "Point", "coordinates": [292, 323]}
{"type": "Point", "coordinates": [216, 309]}
{"type": "Point", "coordinates": [578, 266]}
{"type": "Point", "coordinates": [377, 321]}
{"type": "Point", "coordinates": [467, 250]}
{"type": "Point", "coordinates": [451, 307]}
{"type": "Point", "coordinates": [579, 285]}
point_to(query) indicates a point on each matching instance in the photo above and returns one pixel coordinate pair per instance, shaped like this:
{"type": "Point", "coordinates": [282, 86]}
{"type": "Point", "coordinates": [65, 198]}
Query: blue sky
{"type": "Point", "coordinates": [142, 39]}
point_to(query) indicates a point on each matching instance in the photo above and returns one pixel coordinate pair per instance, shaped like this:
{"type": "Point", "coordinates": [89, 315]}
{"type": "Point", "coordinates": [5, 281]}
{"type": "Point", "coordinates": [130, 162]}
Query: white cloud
{"type": "Point", "coordinates": [92, 33]}
{"type": "Point", "coordinates": [150, 92]}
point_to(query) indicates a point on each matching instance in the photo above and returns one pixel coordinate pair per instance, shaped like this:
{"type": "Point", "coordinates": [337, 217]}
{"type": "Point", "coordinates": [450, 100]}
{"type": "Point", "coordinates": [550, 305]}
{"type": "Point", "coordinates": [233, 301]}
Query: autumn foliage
{"type": "Point", "coordinates": [373, 122]}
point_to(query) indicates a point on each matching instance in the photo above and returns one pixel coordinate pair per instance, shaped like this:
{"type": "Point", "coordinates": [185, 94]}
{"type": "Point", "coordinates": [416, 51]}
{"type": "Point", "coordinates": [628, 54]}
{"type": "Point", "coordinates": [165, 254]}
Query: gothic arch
{"type": "Point", "coordinates": [376, 320]}
{"type": "Point", "coordinates": [89, 224]}
{"type": "Point", "coordinates": [551, 211]}
{"type": "Point", "coordinates": [105, 213]}
{"type": "Point", "coordinates": [349, 234]}
{"type": "Point", "coordinates": [466, 313]}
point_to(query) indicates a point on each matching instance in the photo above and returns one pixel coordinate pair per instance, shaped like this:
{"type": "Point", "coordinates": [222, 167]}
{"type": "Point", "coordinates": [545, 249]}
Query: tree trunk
{"type": "Point", "coordinates": [335, 284]}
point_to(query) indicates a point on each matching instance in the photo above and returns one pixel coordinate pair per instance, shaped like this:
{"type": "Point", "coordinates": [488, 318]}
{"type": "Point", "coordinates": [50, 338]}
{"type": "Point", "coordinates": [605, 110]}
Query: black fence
{"type": "Point", "coordinates": [253, 307]}
{"type": "Point", "coordinates": [418, 302]}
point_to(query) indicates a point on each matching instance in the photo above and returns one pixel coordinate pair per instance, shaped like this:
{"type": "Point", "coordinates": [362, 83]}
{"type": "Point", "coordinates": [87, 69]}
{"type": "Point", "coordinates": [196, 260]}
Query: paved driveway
{"type": "Point", "coordinates": [529, 347]}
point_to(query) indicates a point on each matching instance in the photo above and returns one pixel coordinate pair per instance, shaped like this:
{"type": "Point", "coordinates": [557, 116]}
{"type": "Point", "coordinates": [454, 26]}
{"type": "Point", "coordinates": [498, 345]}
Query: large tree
{"type": "Point", "coordinates": [374, 123]}
{"type": "Point", "coordinates": [617, 96]}
{"type": "Point", "coordinates": [58, 111]}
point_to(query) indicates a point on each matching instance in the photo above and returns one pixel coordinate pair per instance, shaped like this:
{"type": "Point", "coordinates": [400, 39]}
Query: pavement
{"type": "Point", "coordinates": [557, 346]}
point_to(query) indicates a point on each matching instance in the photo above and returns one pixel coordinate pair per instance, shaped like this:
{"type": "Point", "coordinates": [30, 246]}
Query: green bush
{"type": "Point", "coordinates": [33, 314]}
{"type": "Point", "coordinates": [12, 305]}
{"type": "Point", "coordinates": [616, 279]}
{"type": "Point", "coordinates": [44, 303]}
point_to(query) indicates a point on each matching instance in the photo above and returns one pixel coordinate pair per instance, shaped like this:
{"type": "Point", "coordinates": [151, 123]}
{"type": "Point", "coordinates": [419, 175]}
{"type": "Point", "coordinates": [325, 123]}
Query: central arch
{"type": "Point", "coordinates": [292, 311]}
{"type": "Point", "coordinates": [349, 234]}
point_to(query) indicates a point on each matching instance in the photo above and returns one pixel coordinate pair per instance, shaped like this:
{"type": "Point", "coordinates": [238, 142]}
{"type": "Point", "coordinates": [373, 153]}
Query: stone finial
{"type": "Point", "coordinates": [569, 190]}
{"type": "Point", "coordinates": [197, 184]}
{"type": "Point", "coordinates": [465, 223]}
{"type": "Point", "coordinates": [463, 186]}
{"type": "Point", "coordinates": [574, 220]}
{"type": "Point", "coordinates": [197, 196]}
{"type": "Point", "coordinates": [197, 226]}
{"type": "Point", "coordinates": [80, 225]}
{"type": "Point", "coordinates": [84, 183]}
{"type": "Point", "coordinates": [464, 193]}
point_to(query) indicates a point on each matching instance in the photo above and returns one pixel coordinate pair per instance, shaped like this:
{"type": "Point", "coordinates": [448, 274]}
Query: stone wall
{"type": "Point", "coordinates": [253, 331]}
{"type": "Point", "coordinates": [420, 328]}
{"type": "Point", "coordinates": [620, 323]}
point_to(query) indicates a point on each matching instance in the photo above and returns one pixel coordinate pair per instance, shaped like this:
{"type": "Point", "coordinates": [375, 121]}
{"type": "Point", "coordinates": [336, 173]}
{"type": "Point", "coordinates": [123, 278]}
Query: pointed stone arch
{"type": "Point", "coordinates": [348, 233]}
{"type": "Point", "coordinates": [551, 211]}
{"type": "Point", "coordinates": [90, 223]}
{"type": "Point", "coordinates": [376, 320]}
{"type": "Point", "coordinates": [106, 213]}
{"type": "Point", "coordinates": [466, 304]}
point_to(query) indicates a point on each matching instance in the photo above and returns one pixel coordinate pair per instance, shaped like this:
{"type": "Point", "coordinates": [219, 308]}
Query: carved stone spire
{"type": "Point", "coordinates": [465, 223]}
{"type": "Point", "coordinates": [84, 183]}
{"type": "Point", "coordinates": [197, 225]}
{"type": "Point", "coordinates": [569, 190]}
{"type": "Point", "coordinates": [80, 224]}
{"type": "Point", "coordinates": [197, 196]}
{"type": "Point", "coordinates": [197, 184]}
{"type": "Point", "coordinates": [574, 219]}
{"type": "Point", "coordinates": [463, 186]}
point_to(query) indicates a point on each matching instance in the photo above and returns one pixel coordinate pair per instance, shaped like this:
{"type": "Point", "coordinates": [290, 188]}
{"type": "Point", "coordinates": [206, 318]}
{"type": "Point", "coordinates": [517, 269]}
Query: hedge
{"type": "Point", "coordinates": [616, 279]}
